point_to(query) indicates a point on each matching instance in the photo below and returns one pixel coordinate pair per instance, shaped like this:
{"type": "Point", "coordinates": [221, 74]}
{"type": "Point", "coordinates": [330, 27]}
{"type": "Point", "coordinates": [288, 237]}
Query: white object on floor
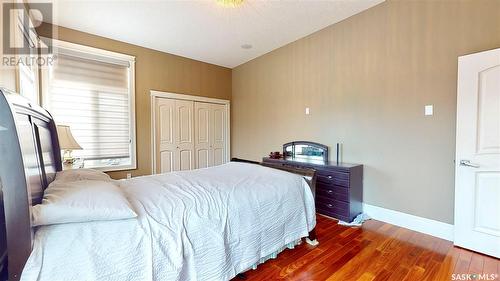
{"type": "Point", "coordinates": [314, 242]}
{"type": "Point", "coordinates": [357, 221]}
{"type": "Point", "coordinates": [205, 224]}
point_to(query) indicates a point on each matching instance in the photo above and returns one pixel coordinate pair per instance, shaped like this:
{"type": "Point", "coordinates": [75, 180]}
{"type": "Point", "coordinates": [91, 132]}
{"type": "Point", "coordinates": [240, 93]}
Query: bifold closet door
{"type": "Point", "coordinates": [164, 137]}
{"type": "Point", "coordinates": [174, 135]}
{"type": "Point", "coordinates": [218, 137]}
{"type": "Point", "coordinates": [202, 134]}
{"type": "Point", "coordinates": [210, 134]}
{"type": "Point", "coordinates": [184, 135]}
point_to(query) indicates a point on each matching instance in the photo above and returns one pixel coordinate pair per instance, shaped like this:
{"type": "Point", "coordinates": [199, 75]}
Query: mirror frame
{"type": "Point", "coordinates": [320, 146]}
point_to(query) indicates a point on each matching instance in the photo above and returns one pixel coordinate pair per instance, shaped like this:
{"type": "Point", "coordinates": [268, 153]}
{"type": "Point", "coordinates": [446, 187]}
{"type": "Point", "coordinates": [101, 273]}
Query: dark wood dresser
{"type": "Point", "coordinates": [339, 188]}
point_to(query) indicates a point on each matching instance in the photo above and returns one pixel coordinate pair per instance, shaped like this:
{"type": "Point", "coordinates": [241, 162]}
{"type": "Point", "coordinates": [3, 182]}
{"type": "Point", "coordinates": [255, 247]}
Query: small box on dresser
{"type": "Point", "coordinates": [339, 188]}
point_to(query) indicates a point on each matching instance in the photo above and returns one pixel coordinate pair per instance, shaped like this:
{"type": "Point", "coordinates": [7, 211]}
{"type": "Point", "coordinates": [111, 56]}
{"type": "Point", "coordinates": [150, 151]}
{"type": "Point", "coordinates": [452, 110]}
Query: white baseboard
{"type": "Point", "coordinates": [427, 226]}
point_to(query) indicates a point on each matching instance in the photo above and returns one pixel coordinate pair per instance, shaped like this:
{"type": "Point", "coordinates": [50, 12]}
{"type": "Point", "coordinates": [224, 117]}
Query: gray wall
{"type": "Point", "coordinates": [366, 80]}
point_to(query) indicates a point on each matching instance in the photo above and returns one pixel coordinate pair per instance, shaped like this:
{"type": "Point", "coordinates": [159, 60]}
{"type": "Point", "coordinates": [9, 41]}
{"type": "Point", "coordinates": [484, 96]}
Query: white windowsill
{"type": "Point", "coordinates": [113, 168]}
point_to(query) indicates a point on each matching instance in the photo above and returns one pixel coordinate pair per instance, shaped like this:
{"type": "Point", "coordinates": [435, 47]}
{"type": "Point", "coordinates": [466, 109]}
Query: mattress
{"type": "Point", "coordinates": [205, 224]}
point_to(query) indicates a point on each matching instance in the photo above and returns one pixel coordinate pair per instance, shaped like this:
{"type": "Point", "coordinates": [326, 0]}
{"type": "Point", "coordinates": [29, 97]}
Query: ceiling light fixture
{"type": "Point", "coordinates": [246, 46]}
{"type": "Point", "coordinates": [229, 3]}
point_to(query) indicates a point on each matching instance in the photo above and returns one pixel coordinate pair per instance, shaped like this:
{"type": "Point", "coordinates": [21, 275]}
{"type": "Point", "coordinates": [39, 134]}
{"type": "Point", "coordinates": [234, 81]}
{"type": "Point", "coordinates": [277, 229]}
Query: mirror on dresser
{"type": "Point", "coordinates": [305, 150]}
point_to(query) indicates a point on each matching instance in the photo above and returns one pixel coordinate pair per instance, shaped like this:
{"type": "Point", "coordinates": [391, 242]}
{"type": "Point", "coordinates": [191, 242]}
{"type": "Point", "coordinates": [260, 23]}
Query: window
{"type": "Point", "coordinates": [24, 37]}
{"type": "Point", "coordinates": [92, 91]}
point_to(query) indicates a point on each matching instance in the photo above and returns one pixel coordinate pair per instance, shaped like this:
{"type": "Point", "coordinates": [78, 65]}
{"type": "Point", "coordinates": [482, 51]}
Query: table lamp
{"type": "Point", "coordinates": [67, 143]}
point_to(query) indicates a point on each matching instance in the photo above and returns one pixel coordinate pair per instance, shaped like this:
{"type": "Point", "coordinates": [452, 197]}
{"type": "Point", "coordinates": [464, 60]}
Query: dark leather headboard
{"type": "Point", "coordinates": [29, 159]}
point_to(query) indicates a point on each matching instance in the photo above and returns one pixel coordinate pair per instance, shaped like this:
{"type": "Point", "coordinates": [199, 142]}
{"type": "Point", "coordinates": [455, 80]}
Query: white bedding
{"type": "Point", "coordinates": [206, 224]}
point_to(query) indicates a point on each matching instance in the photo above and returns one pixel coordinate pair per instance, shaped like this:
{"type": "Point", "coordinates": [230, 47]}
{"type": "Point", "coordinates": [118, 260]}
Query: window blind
{"type": "Point", "coordinates": [91, 95]}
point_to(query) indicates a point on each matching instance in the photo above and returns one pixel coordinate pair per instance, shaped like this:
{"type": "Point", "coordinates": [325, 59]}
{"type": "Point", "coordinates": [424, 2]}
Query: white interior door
{"type": "Point", "coordinates": [184, 158]}
{"type": "Point", "coordinates": [218, 134]}
{"type": "Point", "coordinates": [477, 183]}
{"type": "Point", "coordinates": [202, 112]}
{"type": "Point", "coordinates": [165, 135]}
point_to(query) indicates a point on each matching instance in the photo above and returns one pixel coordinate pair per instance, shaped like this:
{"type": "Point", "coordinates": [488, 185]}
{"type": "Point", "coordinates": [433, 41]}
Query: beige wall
{"type": "Point", "coordinates": [366, 80]}
{"type": "Point", "coordinates": [155, 71]}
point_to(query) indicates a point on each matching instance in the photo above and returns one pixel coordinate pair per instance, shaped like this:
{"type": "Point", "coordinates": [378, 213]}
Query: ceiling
{"type": "Point", "coordinates": [205, 30]}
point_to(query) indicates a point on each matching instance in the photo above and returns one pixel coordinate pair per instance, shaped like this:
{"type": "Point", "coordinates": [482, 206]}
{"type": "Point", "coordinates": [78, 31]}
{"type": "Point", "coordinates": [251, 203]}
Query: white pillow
{"type": "Point", "coordinates": [81, 174]}
{"type": "Point", "coordinates": [81, 201]}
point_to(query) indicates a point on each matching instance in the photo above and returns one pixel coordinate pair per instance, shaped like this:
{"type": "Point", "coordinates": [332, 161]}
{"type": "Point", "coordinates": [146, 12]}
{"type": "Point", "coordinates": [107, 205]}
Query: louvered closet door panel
{"type": "Point", "coordinates": [218, 134]}
{"type": "Point", "coordinates": [202, 117]}
{"type": "Point", "coordinates": [184, 158]}
{"type": "Point", "coordinates": [165, 135]}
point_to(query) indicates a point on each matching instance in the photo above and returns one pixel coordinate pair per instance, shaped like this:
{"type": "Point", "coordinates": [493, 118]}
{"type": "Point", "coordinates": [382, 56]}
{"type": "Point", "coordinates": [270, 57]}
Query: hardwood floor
{"type": "Point", "coordinates": [376, 251]}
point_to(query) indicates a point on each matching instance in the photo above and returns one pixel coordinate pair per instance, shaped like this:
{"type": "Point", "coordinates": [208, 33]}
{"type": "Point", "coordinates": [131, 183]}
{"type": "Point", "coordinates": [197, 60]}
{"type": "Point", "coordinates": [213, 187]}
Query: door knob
{"type": "Point", "coordinates": [467, 163]}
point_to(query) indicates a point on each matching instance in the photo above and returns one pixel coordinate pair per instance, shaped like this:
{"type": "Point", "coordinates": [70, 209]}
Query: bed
{"type": "Point", "coordinates": [206, 224]}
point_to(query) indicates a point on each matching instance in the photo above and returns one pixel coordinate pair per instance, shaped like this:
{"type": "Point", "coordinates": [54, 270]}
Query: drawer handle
{"type": "Point", "coordinates": [329, 205]}
{"type": "Point", "coordinates": [330, 177]}
{"type": "Point", "coordinates": [329, 191]}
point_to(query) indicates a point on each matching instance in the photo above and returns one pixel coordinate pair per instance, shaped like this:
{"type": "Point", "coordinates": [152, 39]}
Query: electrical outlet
{"type": "Point", "coordinates": [129, 176]}
{"type": "Point", "coordinates": [307, 111]}
{"type": "Point", "coordinates": [429, 110]}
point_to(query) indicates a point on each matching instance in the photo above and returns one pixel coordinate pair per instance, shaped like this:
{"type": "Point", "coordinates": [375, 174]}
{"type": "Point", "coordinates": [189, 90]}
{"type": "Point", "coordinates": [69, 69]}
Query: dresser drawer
{"type": "Point", "coordinates": [341, 179]}
{"type": "Point", "coordinates": [333, 174]}
{"type": "Point", "coordinates": [333, 192]}
{"type": "Point", "coordinates": [332, 206]}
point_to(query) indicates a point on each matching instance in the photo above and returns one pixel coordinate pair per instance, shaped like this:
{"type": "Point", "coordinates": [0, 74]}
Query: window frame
{"type": "Point", "coordinates": [131, 80]}
{"type": "Point", "coordinates": [22, 32]}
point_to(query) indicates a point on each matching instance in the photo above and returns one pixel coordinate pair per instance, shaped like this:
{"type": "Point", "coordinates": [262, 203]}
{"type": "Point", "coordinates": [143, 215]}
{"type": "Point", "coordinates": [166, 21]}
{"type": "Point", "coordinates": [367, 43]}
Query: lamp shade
{"type": "Point", "coordinates": [66, 139]}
